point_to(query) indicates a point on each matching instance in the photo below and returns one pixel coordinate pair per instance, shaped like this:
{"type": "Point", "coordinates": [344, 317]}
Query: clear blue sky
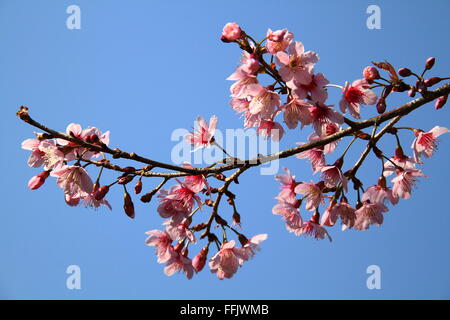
{"type": "Point", "coordinates": [144, 68]}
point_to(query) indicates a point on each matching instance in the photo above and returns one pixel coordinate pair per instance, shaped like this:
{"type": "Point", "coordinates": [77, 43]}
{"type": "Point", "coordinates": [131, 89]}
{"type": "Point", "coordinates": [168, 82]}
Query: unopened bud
{"type": "Point", "coordinates": [371, 73]}
{"type": "Point", "coordinates": [138, 187]}
{"type": "Point", "coordinates": [101, 192]}
{"type": "Point", "coordinates": [236, 218]}
{"type": "Point", "coordinates": [382, 182]}
{"type": "Point", "coordinates": [37, 181]}
{"type": "Point", "coordinates": [209, 202]}
{"type": "Point", "coordinates": [128, 205]}
{"type": "Point", "coordinates": [430, 63]}
{"type": "Point", "coordinates": [440, 102]}
{"type": "Point", "coordinates": [432, 81]}
{"type": "Point", "coordinates": [220, 220]}
{"type": "Point", "coordinates": [412, 92]}
{"type": "Point", "coordinates": [381, 105]}
{"type": "Point", "coordinates": [124, 179]}
{"type": "Point", "coordinates": [199, 226]}
{"type": "Point", "coordinates": [148, 196]}
{"type": "Point", "coordinates": [404, 72]}
{"type": "Point", "coordinates": [199, 260]}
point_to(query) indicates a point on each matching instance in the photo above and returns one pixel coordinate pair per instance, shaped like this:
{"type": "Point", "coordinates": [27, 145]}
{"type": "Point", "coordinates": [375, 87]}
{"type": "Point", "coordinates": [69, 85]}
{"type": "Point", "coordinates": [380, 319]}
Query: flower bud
{"type": "Point", "coordinates": [101, 192]}
{"type": "Point", "coordinates": [209, 202]}
{"type": "Point", "coordinates": [382, 182]}
{"type": "Point", "coordinates": [128, 205]}
{"type": "Point", "coordinates": [124, 179]}
{"type": "Point", "coordinates": [148, 196]}
{"type": "Point", "coordinates": [231, 32]}
{"type": "Point", "coordinates": [404, 72]}
{"type": "Point", "coordinates": [371, 73]}
{"type": "Point", "coordinates": [381, 105]}
{"type": "Point", "coordinates": [220, 220]}
{"type": "Point", "coordinates": [440, 102]}
{"type": "Point", "coordinates": [138, 187]}
{"type": "Point", "coordinates": [200, 226]}
{"type": "Point", "coordinates": [236, 218]}
{"type": "Point", "coordinates": [412, 92]}
{"type": "Point", "coordinates": [421, 87]}
{"type": "Point", "coordinates": [199, 260]}
{"type": "Point", "coordinates": [37, 181]}
{"type": "Point", "coordinates": [430, 63]}
{"type": "Point", "coordinates": [432, 81]}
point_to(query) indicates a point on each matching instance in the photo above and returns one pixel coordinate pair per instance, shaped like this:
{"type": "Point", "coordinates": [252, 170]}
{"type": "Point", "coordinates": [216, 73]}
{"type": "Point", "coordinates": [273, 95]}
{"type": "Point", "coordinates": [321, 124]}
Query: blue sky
{"type": "Point", "coordinates": [144, 68]}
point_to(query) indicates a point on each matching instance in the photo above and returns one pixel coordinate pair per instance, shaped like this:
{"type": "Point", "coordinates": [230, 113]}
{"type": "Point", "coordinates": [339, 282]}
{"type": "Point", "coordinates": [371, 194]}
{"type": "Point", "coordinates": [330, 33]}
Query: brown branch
{"type": "Point", "coordinates": [181, 171]}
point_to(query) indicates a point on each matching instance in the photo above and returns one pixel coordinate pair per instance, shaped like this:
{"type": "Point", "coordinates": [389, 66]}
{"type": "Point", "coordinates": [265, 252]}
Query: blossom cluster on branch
{"type": "Point", "coordinates": [276, 79]}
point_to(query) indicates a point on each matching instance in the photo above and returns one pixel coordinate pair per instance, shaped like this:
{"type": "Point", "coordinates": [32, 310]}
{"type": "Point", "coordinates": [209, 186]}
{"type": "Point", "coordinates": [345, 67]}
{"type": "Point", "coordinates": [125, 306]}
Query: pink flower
{"type": "Point", "coordinates": [296, 66]}
{"type": "Point", "coordinates": [252, 245]}
{"type": "Point", "coordinates": [288, 185]}
{"type": "Point", "coordinates": [330, 129]}
{"type": "Point", "coordinates": [313, 229]}
{"type": "Point", "coordinates": [263, 101]}
{"type": "Point", "coordinates": [322, 115]}
{"type": "Point", "coordinates": [74, 180]}
{"type": "Point", "coordinates": [404, 181]}
{"type": "Point", "coordinates": [240, 89]}
{"type": "Point", "coordinates": [379, 194]}
{"type": "Point", "coordinates": [204, 135]}
{"type": "Point", "coordinates": [296, 111]}
{"type": "Point", "coordinates": [316, 88]}
{"type": "Point", "coordinates": [179, 231]}
{"type": "Point", "coordinates": [271, 129]}
{"type": "Point", "coordinates": [179, 262]}
{"type": "Point", "coordinates": [312, 193]}
{"type": "Point", "coordinates": [163, 243]}
{"type": "Point", "coordinates": [91, 135]}
{"type": "Point", "coordinates": [90, 201]}
{"type": "Point", "coordinates": [37, 181]}
{"type": "Point", "coordinates": [369, 213]}
{"type": "Point", "coordinates": [177, 202]}
{"type": "Point", "coordinates": [341, 210]}
{"type": "Point", "coordinates": [231, 32]}
{"type": "Point", "coordinates": [426, 143]}
{"type": "Point", "coordinates": [290, 213]}
{"type": "Point", "coordinates": [356, 94]}
{"type": "Point", "coordinates": [226, 262]}
{"type": "Point", "coordinates": [36, 158]}
{"type": "Point", "coordinates": [278, 40]}
{"type": "Point", "coordinates": [315, 156]}
{"type": "Point", "coordinates": [332, 175]}
{"type": "Point", "coordinates": [248, 68]}
{"type": "Point", "coordinates": [399, 160]}
{"type": "Point", "coordinates": [195, 183]}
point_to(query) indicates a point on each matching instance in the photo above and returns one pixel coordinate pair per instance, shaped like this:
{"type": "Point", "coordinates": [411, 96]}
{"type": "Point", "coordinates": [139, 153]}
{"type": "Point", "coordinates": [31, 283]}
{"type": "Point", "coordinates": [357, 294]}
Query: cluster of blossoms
{"type": "Point", "coordinates": [291, 88]}
{"type": "Point", "coordinates": [54, 155]}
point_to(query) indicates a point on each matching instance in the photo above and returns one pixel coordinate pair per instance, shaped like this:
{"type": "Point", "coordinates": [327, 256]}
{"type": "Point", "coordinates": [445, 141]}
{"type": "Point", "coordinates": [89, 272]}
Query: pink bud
{"type": "Point", "coordinates": [432, 81]}
{"type": "Point", "coordinates": [231, 32]}
{"type": "Point", "coordinates": [101, 192]}
{"type": "Point", "coordinates": [138, 187]}
{"type": "Point", "coordinates": [381, 106]}
{"type": "Point", "coordinates": [404, 72]}
{"type": "Point", "coordinates": [430, 63]}
{"type": "Point", "coordinates": [37, 181]}
{"type": "Point", "coordinates": [128, 205]}
{"type": "Point", "coordinates": [371, 73]}
{"type": "Point", "coordinates": [412, 92]}
{"type": "Point", "coordinates": [199, 260]}
{"type": "Point", "coordinates": [440, 102]}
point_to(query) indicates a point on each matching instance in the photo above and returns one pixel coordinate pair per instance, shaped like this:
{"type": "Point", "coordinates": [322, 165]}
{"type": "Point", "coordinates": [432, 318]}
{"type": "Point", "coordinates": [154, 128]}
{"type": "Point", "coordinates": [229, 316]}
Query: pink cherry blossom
{"type": "Point", "coordinates": [195, 183]}
{"type": "Point", "coordinates": [341, 210]}
{"type": "Point", "coordinates": [241, 88]}
{"type": "Point", "coordinates": [199, 260]}
{"type": "Point", "coordinates": [323, 115]}
{"type": "Point", "coordinates": [295, 111]}
{"type": "Point", "coordinates": [264, 101]}
{"type": "Point", "coordinates": [379, 194]}
{"type": "Point", "coordinates": [226, 262]}
{"type": "Point", "coordinates": [315, 156]}
{"type": "Point", "coordinates": [290, 214]}
{"type": "Point", "coordinates": [313, 229]}
{"type": "Point", "coordinates": [356, 94]}
{"type": "Point", "coordinates": [36, 158]}
{"type": "Point", "coordinates": [91, 202]}
{"type": "Point", "coordinates": [74, 180]}
{"type": "Point", "coordinates": [332, 176]}
{"type": "Point", "coordinates": [369, 213]}
{"type": "Point", "coordinates": [179, 231]}
{"type": "Point", "coordinates": [271, 129]}
{"type": "Point", "coordinates": [296, 65]}
{"type": "Point", "coordinates": [426, 143]}
{"type": "Point", "coordinates": [52, 156]}
{"type": "Point", "coordinates": [404, 181]}
{"type": "Point", "coordinates": [278, 40]}
{"type": "Point", "coordinates": [163, 243]}
{"type": "Point", "coordinates": [288, 185]}
{"type": "Point", "coordinates": [399, 160]}
{"type": "Point", "coordinates": [252, 245]}
{"type": "Point", "coordinates": [312, 192]}
{"type": "Point", "coordinates": [315, 89]}
{"type": "Point", "coordinates": [204, 135]}
{"type": "Point", "coordinates": [179, 262]}
{"type": "Point", "coordinates": [231, 32]}
{"type": "Point", "coordinates": [248, 68]}
{"type": "Point", "coordinates": [330, 129]}
{"type": "Point", "coordinates": [177, 202]}
{"type": "Point", "coordinates": [242, 106]}
{"type": "Point", "coordinates": [371, 73]}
